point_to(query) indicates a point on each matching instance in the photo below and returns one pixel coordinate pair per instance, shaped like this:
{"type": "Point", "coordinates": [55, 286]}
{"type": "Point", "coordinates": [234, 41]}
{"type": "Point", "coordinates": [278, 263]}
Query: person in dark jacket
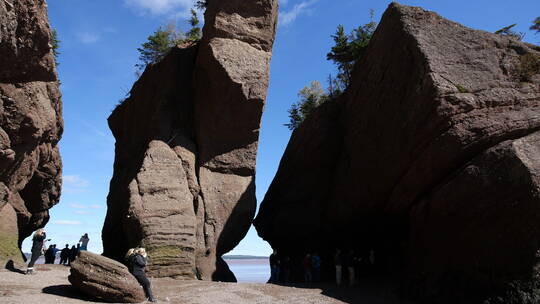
{"type": "Point", "coordinates": [38, 241]}
{"type": "Point", "coordinates": [49, 255]}
{"type": "Point", "coordinates": [274, 267]}
{"type": "Point", "coordinates": [136, 264]}
{"type": "Point", "coordinates": [64, 255]}
{"type": "Point", "coordinates": [72, 254]}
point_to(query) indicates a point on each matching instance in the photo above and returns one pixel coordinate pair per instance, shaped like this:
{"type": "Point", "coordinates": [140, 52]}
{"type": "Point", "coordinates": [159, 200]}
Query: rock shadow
{"type": "Point", "coordinates": [68, 291]}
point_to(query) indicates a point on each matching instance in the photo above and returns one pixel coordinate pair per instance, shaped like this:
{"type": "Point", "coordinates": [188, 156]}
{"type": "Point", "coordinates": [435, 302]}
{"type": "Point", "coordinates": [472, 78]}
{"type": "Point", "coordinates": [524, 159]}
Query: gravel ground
{"type": "Point", "coordinates": [50, 285]}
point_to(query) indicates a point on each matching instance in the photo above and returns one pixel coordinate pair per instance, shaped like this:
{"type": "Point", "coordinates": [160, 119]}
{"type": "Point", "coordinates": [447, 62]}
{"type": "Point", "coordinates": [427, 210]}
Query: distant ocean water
{"type": "Point", "coordinates": [250, 270]}
{"type": "Point", "coordinates": [245, 270]}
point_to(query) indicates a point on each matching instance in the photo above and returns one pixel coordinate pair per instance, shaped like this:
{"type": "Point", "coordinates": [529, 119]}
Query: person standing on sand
{"type": "Point", "coordinates": [274, 267]}
{"type": "Point", "coordinates": [48, 255]}
{"type": "Point", "coordinates": [337, 263]}
{"type": "Point", "coordinates": [64, 255]}
{"type": "Point", "coordinates": [316, 266]}
{"type": "Point", "coordinates": [137, 262]}
{"type": "Point", "coordinates": [38, 241]}
{"type": "Point", "coordinates": [350, 261]}
{"type": "Point", "coordinates": [307, 268]}
{"type": "Point", "coordinates": [84, 241]}
{"type": "Point", "coordinates": [72, 254]}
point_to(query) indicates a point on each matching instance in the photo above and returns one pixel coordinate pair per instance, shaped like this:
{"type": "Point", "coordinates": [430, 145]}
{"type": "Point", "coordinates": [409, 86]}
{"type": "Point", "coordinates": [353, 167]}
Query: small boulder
{"type": "Point", "coordinates": [105, 279]}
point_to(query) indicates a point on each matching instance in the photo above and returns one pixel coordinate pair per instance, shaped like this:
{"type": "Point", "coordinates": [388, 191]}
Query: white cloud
{"type": "Point", "coordinates": [75, 181]}
{"type": "Point", "coordinates": [82, 212]}
{"type": "Point", "coordinates": [66, 222]}
{"type": "Point", "coordinates": [95, 206]}
{"type": "Point", "coordinates": [77, 206]}
{"type": "Point", "coordinates": [88, 37]}
{"type": "Point", "coordinates": [161, 7]}
{"type": "Point", "coordinates": [288, 17]}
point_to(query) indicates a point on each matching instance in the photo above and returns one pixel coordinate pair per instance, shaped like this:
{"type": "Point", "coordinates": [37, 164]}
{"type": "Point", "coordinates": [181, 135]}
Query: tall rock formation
{"type": "Point", "coordinates": [186, 144]}
{"type": "Point", "coordinates": [430, 158]}
{"type": "Point", "coordinates": [30, 123]}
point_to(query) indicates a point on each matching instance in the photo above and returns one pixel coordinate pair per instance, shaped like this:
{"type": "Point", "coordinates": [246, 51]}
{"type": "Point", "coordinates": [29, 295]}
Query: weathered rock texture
{"type": "Point", "coordinates": [30, 123]}
{"type": "Point", "coordinates": [105, 279]}
{"type": "Point", "coordinates": [431, 157]}
{"type": "Point", "coordinates": [186, 143]}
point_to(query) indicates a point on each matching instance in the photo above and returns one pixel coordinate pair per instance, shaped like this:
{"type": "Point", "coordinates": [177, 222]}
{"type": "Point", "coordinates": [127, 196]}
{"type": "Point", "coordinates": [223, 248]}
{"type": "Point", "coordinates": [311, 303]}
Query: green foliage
{"type": "Point", "coordinates": [536, 25]}
{"type": "Point", "coordinates": [55, 43]}
{"type": "Point", "coordinates": [157, 46]}
{"type": "Point", "coordinates": [347, 50]}
{"type": "Point", "coordinates": [162, 40]}
{"type": "Point", "coordinates": [194, 33]}
{"type": "Point", "coordinates": [311, 97]}
{"type": "Point", "coordinates": [529, 65]}
{"type": "Point", "coordinates": [507, 31]}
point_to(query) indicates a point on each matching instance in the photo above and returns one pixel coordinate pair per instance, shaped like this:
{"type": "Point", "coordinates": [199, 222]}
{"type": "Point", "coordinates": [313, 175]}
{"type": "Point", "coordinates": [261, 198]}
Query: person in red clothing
{"type": "Point", "coordinates": [307, 268]}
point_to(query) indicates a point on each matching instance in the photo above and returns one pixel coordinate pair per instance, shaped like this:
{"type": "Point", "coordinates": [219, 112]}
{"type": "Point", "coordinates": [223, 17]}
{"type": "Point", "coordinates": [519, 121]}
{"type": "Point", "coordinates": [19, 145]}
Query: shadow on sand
{"type": "Point", "coordinates": [11, 267]}
{"type": "Point", "coordinates": [68, 291]}
{"type": "Point", "coordinates": [367, 290]}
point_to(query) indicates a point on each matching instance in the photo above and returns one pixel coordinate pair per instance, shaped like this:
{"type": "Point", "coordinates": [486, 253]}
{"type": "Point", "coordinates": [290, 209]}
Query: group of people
{"type": "Point", "coordinates": [281, 266]}
{"type": "Point", "coordinates": [349, 263]}
{"type": "Point", "coordinates": [135, 258]}
{"type": "Point", "coordinates": [67, 255]}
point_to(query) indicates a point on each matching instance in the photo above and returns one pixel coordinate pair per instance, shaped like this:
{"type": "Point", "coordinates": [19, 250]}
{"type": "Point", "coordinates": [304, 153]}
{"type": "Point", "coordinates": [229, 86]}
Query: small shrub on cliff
{"type": "Point", "coordinates": [162, 40]}
{"type": "Point", "coordinates": [311, 97]}
{"type": "Point", "coordinates": [347, 50]}
{"type": "Point", "coordinates": [507, 31]}
{"type": "Point", "coordinates": [536, 25]}
{"type": "Point", "coordinates": [55, 43]}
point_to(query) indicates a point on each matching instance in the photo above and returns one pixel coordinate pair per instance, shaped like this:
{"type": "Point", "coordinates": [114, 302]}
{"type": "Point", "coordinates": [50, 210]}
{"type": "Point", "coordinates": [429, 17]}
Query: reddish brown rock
{"type": "Point", "coordinates": [364, 172]}
{"type": "Point", "coordinates": [104, 279]}
{"type": "Point", "coordinates": [30, 118]}
{"type": "Point", "coordinates": [186, 142]}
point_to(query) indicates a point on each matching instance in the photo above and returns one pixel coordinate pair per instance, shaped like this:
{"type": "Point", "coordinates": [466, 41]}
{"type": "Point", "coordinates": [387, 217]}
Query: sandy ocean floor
{"type": "Point", "coordinates": [50, 285]}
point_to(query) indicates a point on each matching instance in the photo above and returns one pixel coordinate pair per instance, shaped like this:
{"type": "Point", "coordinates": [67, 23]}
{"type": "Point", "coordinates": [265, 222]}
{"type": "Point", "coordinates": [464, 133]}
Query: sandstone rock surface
{"type": "Point", "coordinates": [30, 123]}
{"type": "Point", "coordinates": [186, 143]}
{"type": "Point", "coordinates": [429, 158]}
{"type": "Point", "coordinates": [105, 279]}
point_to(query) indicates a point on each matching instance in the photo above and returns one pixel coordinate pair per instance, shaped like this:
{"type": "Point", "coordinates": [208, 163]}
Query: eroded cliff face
{"type": "Point", "coordinates": [186, 143]}
{"type": "Point", "coordinates": [430, 158]}
{"type": "Point", "coordinates": [30, 124]}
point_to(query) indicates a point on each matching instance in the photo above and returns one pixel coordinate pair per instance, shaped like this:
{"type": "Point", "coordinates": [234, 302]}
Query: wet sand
{"type": "Point", "coordinates": [50, 285]}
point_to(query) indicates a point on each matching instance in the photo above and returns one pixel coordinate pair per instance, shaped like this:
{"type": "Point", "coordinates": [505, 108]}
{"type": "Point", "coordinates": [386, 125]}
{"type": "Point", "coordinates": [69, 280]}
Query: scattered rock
{"type": "Point", "coordinates": [30, 122]}
{"type": "Point", "coordinates": [429, 158]}
{"type": "Point", "coordinates": [186, 143]}
{"type": "Point", "coordinates": [105, 279]}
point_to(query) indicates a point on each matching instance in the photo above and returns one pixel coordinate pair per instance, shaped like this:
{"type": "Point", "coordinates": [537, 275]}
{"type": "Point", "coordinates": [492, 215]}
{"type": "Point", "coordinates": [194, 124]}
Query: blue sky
{"type": "Point", "coordinates": [99, 41]}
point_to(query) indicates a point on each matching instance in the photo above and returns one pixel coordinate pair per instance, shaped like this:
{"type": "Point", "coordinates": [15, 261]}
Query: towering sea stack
{"type": "Point", "coordinates": [30, 124]}
{"type": "Point", "coordinates": [431, 158]}
{"type": "Point", "coordinates": [186, 144]}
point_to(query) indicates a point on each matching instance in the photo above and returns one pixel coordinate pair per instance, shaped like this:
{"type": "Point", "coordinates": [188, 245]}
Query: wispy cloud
{"type": "Point", "coordinates": [95, 206]}
{"type": "Point", "coordinates": [74, 184]}
{"type": "Point", "coordinates": [77, 206]}
{"type": "Point", "coordinates": [288, 17]}
{"type": "Point", "coordinates": [88, 37]}
{"type": "Point", "coordinates": [82, 212]}
{"type": "Point", "coordinates": [161, 7]}
{"type": "Point", "coordinates": [75, 181]}
{"type": "Point", "coordinates": [67, 222]}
